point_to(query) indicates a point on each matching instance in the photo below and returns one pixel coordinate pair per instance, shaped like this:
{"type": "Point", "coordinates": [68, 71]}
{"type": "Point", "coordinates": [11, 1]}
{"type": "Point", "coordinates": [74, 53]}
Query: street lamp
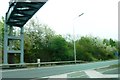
{"type": "Point", "coordinates": [74, 38]}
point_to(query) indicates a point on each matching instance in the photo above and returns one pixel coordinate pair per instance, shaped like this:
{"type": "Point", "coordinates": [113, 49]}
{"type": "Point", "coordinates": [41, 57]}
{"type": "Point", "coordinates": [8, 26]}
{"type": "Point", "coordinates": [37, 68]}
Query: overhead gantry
{"type": "Point", "coordinates": [19, 12]}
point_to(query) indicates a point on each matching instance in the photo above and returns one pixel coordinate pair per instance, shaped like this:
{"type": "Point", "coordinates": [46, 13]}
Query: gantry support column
{"type": "Point", "coordinates": [22, 45]}
{"type": "Point", "coordinates": [11, 57]}
{"type": "Point", "coordinates": [9, 51]}
{"type": "Point", "coordinates": [5, 42]}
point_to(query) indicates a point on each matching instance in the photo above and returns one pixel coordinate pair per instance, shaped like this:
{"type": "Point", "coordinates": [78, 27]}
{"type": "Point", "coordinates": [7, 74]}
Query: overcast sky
{"type": "Point", "coordinates": [100, 16]}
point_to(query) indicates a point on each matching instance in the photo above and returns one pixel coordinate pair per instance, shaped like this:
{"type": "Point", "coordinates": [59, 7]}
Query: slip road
{"type": "Point", "coordinates": [49, 71]}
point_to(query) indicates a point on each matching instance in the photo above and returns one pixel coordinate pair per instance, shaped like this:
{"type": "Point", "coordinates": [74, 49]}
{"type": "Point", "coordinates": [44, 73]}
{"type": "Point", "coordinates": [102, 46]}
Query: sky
{"type": "Point", "coordinates": [100, 17]}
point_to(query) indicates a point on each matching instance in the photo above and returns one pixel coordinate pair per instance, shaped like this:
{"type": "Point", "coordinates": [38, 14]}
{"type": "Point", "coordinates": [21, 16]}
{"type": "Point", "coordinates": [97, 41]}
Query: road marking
{"type": "Point", "coordinates": [102, 72]}
{"type": "Point", "coordinates": [109, 70]}
{"type": "Point", "coordinates": [17, 70]}
{"type": "Point", "coordinates": [73, 72]}
{"type": "Point", "coordinates": [96, 74]}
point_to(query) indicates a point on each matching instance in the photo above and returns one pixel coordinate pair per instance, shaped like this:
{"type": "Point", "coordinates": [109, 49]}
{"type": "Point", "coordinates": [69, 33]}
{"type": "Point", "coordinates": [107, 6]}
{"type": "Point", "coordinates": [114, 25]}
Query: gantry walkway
{"type": "Point", "coordinates": [19, 12]}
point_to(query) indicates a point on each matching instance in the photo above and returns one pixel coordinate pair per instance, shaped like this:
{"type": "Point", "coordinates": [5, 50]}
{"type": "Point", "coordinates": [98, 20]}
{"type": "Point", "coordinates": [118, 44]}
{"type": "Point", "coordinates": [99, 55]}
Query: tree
{"type": "Point", "coordinates": [36, 41]}
{"type": "Point", "coordinates": [92, 48]}
{"type": "Point", "coordinates": [112, 42]}
{"type": "Point", "coordinates": [1, 37]}
{"type": "Point", "coordinates": [85, 49]}
{"type": "Point", "coordinates": [58, 48]}
{"type": "Point", "coordinates": [1, 32]}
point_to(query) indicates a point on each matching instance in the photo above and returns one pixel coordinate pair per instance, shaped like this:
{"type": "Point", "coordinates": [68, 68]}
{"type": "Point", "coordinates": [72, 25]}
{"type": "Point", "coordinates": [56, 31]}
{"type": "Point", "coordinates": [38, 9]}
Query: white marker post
{"type": "Point", "coordinates": [38, 61]}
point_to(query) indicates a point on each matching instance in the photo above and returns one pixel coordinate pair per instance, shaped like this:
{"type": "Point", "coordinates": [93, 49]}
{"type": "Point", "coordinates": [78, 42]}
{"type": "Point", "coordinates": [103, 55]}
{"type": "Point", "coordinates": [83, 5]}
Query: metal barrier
{"type": "Point", "coordinates": [42, 63]}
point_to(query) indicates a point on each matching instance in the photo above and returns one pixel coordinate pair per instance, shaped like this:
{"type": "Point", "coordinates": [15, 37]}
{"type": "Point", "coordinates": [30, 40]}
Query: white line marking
{"type": "Point", "coordinates": [96, 74]}
{"type": "Point", "coordinates": [109, 70]}
{"type": "Point", "coordinates": [75, 72]}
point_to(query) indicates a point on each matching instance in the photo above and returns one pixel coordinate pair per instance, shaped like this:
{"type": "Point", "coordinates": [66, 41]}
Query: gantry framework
{"type": "Point", "coordinates": [19, 12]}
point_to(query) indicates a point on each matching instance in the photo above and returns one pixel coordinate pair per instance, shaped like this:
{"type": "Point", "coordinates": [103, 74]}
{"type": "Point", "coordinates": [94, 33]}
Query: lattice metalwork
{"type": "Point", "coordinates": [19, 12]}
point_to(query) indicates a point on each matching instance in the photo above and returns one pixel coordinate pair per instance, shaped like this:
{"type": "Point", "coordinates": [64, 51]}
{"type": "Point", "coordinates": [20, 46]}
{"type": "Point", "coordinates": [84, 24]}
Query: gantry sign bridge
{"type": "Point", "coordinates": [19, 12]}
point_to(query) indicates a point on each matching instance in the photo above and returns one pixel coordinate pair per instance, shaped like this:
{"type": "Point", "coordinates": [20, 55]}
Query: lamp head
{"type": "Point", "coordinates": [80, 14]}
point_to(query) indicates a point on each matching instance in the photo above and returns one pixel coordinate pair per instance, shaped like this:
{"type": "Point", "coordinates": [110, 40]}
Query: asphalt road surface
{"type": "Point", "coordinates": [48, 71]}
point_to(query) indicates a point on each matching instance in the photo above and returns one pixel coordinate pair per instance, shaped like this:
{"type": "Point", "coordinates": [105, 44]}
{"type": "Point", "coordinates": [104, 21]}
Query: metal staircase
{"type": "Point", "coordinates": [17, 16]}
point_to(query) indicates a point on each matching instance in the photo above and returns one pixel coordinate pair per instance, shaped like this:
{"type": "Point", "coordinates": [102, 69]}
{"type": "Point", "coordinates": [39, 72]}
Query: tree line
{"type": "Point", "coordinates": [41, 42]}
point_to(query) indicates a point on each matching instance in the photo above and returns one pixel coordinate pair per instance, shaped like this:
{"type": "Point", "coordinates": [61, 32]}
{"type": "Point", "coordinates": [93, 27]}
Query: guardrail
{"type": "Point", "coordinates": [41, 63]}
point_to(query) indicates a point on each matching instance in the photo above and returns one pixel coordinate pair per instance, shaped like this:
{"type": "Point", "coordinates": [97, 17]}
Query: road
{"type": "Point", "coordinates": [48, 71]}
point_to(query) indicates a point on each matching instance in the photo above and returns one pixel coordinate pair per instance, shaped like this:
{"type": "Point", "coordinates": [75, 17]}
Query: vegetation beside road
{"type": "Point", "coordinates": [41, 42]}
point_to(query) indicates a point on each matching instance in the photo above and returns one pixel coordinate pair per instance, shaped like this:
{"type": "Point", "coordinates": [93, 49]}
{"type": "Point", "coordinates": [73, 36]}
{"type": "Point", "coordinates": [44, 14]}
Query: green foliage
{"type": "Point", "coordinates": [41, 42]}
{"type": "Point", "coordinates": [1, 37]}
{"type": "Point", "coordinates": [58, 48]}
{"type": "Point", "coordinates": [37, 37]}
{"type": "Point", "coordinates": [92, 49]}
{"type": "Point", "coordinates": [1, 31]}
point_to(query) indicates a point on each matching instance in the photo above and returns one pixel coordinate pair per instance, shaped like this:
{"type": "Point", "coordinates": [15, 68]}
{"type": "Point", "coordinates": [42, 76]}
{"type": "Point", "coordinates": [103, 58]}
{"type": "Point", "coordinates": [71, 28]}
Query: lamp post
{"type": "Point", "coordinates": [74, 38]}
